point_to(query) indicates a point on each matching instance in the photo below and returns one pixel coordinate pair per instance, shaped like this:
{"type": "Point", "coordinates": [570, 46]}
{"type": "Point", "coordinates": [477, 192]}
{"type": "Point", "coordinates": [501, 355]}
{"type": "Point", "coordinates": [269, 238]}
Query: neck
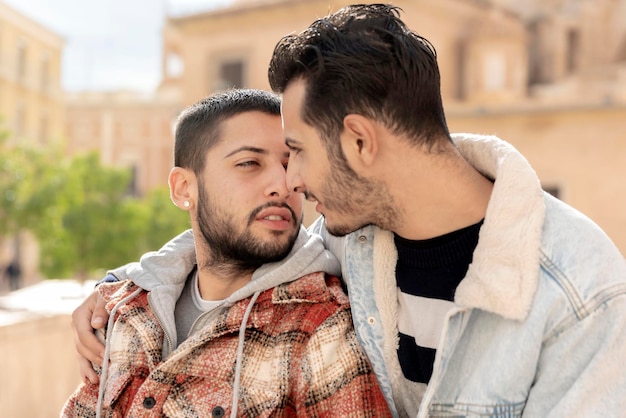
{"type": "Point", "coordinates": [217, 282]}
{"type": "Point", "coordinates": [218, 278]}
{"type": "Point", "coordinates": [454, 196]}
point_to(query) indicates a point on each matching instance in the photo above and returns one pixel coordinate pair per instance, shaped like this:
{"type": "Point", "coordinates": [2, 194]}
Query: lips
{"type": "Point", "coordinates": [275, 214]}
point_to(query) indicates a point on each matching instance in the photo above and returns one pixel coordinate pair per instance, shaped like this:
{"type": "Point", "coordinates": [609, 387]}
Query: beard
{"type": "Point", "coordinates": [356, 199]}
{"type": "Point", "coordinates": [232, 249]}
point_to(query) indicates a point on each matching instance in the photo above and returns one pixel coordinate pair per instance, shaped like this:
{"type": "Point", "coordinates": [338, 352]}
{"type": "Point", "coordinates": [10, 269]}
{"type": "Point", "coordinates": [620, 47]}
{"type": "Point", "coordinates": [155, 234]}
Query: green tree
{"type": "Point", "coordinates": [29, 180]}
{"type": "Point", "coordinates": [164, 221]}
{"type": "Point", "coordinates": [100, 226]}
{"type": "Point", "coordinates": [80, 212]}
{"type": "Point", "coordinates": [97, 224]}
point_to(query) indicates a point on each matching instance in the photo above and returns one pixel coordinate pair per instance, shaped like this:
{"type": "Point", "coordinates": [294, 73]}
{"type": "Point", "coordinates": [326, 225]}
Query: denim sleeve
{"type": "Point", "coordinates": [109, 278]}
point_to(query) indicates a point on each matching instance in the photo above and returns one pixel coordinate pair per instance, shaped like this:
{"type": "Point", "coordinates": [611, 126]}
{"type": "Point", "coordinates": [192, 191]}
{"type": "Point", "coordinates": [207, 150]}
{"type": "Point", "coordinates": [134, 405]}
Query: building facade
{"type": "Point", "coordinates": [128, 129]}
{"type": "Point", "coordinates": [32, 109]}
{"type": "Point", "coordinates": [31, 97]}
{"type": "Point", "coordinates": [548, 76]}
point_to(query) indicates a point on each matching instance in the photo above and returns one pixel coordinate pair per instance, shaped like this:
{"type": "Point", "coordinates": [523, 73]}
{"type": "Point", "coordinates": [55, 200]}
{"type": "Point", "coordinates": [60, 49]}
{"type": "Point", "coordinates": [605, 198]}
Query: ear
{"type": "Point", "coordinates": [359, 140]}
{"type": "Point", "coordinates": [183, 187]}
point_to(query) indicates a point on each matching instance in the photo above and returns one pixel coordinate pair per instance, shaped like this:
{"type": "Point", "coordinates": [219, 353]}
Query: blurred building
{"type": "Point", "coordinates": [31, 99]}
{"type": "Point", "coordinates": [32, 109]}
{"type": "Point", "coordinates": [549, 76]}
{"type": "Point", "coordinates": [129, 129]}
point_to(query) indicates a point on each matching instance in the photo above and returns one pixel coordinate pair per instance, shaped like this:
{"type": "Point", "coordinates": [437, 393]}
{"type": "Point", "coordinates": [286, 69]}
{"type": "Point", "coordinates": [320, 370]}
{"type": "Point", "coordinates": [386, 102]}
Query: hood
{"type": "Point", "coordinates": [308, 255]}
{"type": "Point", "coordinates": [166, 283]}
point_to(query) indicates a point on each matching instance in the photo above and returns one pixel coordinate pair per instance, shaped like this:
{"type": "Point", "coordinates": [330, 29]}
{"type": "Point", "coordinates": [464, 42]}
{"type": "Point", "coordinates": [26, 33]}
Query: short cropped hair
{"type": "Point", "coordinates": [363, 59]}
{"type": "Point", "coordinates": [198, 126]}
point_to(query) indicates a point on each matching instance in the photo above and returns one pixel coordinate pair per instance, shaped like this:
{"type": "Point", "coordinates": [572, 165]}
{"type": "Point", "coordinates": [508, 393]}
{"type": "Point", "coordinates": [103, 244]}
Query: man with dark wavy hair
{"type": "Point", "coordinates": [473, 292]}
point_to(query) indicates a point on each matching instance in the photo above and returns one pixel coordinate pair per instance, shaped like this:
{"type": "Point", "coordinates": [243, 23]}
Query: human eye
{"type": "Point", "coordinates": [293, 150]}
{"type": "Point", "coordinates": [247, 163]}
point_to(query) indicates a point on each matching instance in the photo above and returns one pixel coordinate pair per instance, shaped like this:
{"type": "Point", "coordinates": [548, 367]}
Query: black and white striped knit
{"type": "Point", "coordinates": [427, 274]}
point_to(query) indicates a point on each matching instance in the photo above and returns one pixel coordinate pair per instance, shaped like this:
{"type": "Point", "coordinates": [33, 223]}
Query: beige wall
{"type": "Point", "coordinates": [251, 31]}
{"type": "Point", "coordinates": [38, 367]}
{"type": "Point", "coordinates": [128, 129]}
{"type": "Point", "coordinates": [570, 124]}
{"type": "Point", "coordinates": [31, 100]}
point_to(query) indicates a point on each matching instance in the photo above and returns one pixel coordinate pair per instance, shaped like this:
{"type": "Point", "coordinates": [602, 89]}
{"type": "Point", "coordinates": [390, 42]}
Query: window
{"type": "Point", "coordinates": [44, 72]}
{"type": "Point", "coordinates": [621, 51]}
{"type": "Point", "coordinates": [174, 66]}
{"type": "Point", "coordinates": [133, 185]}
{"type": "Point", "coordinates": [231, 75]}
{"type": "Point", "coordinates": [541, 58]}
{"type": "Point", "coordinates": [573, 51]}
{"type": "Point", "coordinates": [21, 61]}
{"type": "Point", "coordinates": [553, 190]}
{"type": "Point", "coordinates": [494, 72]}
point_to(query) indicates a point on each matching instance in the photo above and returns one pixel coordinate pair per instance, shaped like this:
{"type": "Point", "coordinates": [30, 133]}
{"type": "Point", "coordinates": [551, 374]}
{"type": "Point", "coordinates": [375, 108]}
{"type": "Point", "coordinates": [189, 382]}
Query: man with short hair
{"type": "Point", "coordinates": [473, 292]}
{"type": "Point", "coordinates": [260, 327]}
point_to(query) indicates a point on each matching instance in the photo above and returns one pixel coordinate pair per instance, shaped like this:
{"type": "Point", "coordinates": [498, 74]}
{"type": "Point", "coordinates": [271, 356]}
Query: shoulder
{"type": "Point", "coordinates": [576, 250]}
{"type": "Point", "coordinates": [316, 288]}
{"type": "Point", "coordinates": [115, 292]}
{"type": "Point", "coordinates": [582, 273]}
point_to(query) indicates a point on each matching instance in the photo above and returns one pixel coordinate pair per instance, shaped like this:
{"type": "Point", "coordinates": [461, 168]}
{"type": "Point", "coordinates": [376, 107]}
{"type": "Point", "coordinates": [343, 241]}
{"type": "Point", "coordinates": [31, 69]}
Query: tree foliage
{"type": "Point", "coordinates": [80, 211]}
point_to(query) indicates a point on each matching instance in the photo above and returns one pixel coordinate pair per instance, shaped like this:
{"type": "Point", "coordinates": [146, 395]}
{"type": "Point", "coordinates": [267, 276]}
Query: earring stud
{"type": "Point", "coordinates": [186, 203]}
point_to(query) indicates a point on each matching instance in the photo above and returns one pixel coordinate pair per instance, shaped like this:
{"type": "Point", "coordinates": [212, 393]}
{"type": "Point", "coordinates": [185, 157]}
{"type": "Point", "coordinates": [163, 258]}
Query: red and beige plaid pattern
{"type": "Point", "coordinates": [301, 358]}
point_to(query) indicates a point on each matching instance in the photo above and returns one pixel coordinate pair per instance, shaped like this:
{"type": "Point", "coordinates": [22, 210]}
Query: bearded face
{"type": "Point", "coordinates": [234, 242]}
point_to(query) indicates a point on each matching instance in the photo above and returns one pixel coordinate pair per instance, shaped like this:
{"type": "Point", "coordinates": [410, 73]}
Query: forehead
{"type": "Point", "coordinates": [254, 129]}
{"type": "Point", "coordinates": [293, 97]}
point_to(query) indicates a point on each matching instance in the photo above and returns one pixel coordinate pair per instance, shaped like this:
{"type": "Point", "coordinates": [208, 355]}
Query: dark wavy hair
{"type": "Point", "coordinates": [198, 126]}
{"type": "Point", "coordinates": [363, 59]}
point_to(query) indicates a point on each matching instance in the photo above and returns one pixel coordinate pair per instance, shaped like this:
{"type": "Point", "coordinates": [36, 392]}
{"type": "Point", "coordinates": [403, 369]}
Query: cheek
{"type": "Point", "coordinates": [305, 171]}
{"type": "Point", "coordinates": [296, 202]}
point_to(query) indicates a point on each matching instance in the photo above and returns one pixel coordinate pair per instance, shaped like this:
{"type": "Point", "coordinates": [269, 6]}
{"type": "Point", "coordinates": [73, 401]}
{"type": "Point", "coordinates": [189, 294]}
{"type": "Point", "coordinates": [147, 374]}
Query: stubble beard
{"type": "Point", "coordinates": [361, 200]}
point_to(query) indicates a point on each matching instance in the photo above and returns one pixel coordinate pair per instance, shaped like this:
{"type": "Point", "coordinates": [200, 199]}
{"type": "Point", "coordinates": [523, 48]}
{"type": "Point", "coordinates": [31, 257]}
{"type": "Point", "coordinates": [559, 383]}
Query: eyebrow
{"type": "Point", "coordinates": [252, 149]}
{"type": "Point", "coordinates": [290, 141]}
{"type": "Point", "coordinates": [247, 148]}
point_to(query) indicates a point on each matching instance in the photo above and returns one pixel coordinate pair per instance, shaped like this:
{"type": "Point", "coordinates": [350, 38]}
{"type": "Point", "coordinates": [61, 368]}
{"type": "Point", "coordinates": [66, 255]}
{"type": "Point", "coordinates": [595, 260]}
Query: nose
{"type": "Point", "coordinates": [278, 184]}
{"type": "Point", "coordinates": [294, 181]}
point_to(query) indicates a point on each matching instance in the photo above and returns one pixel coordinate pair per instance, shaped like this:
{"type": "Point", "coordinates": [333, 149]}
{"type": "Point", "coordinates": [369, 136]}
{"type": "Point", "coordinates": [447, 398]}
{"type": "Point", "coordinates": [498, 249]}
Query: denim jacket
{"type": "Point", "coordinates": [539, 326]}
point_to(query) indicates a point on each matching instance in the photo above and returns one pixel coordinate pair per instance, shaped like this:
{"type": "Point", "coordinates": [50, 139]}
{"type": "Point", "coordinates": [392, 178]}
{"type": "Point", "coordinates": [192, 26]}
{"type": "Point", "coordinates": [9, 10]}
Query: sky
{"type": "Point", "coordinates": [109, 44]}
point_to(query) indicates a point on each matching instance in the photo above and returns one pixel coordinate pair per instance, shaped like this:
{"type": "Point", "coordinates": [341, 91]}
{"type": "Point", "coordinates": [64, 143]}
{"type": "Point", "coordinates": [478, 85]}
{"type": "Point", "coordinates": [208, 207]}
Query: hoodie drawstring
{"type": "Point", "coordinates": [238, 364]}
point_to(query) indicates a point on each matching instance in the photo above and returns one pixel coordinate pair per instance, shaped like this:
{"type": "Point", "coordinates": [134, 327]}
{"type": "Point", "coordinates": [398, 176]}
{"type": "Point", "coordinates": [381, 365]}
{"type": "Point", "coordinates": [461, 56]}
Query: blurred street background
{"type": "Point", "coordinates": [89, 93]}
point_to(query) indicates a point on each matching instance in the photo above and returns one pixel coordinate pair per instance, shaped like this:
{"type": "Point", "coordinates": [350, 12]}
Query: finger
{"type": "Point", "coordinates": [86, 343]}
{"type": "Point", "coordinates": [87, 372]}
{"type": "Point", "coordinates": [100, 315]}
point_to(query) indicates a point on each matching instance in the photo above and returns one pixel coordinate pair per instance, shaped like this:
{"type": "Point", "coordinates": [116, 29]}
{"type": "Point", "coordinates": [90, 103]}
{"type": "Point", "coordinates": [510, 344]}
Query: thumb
{"type": "Point", "coordinates": [99, 316]}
